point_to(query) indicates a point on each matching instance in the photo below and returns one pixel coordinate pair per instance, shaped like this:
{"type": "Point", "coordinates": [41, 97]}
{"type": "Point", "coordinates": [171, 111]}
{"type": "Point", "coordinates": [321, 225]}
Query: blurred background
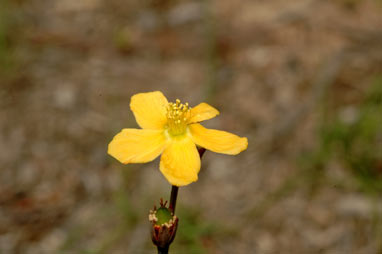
{"type": "Point", "coordinates": [302, 79]}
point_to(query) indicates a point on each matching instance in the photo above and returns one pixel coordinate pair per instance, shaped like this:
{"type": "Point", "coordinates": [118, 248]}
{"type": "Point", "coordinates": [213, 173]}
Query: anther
{"type": "Point", "coordinates": [177, 117]}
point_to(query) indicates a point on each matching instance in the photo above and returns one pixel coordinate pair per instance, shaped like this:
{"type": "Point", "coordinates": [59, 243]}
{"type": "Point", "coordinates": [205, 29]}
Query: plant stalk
{"type": "Point", "coordinates": [172, 206]}
{"type": "Point", "coordinates": [163, 250]}
{"type": "Point", "coordinates": [173, 197]}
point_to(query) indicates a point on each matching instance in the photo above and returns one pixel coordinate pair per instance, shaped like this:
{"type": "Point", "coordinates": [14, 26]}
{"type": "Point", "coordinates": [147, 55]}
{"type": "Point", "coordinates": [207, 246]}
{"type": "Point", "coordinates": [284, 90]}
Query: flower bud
{"type": "Point", "coordinates": [163, 225]}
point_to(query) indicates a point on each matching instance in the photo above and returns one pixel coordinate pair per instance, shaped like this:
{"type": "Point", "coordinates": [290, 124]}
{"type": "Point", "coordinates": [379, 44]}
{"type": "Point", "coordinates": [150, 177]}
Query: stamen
{"type": "Point", "coordinates": [178, 115]}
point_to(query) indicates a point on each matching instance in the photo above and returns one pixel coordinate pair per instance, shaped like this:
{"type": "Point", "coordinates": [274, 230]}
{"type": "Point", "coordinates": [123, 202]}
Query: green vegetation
{"type": "Point", "coordinates": [193, 232]}
{"type": "Point", "coordinates": [355, 141]}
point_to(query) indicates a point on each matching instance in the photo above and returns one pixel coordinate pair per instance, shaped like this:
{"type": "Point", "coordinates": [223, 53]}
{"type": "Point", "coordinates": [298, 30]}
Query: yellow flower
{"type": "Point", "coordinates": [173, 130]}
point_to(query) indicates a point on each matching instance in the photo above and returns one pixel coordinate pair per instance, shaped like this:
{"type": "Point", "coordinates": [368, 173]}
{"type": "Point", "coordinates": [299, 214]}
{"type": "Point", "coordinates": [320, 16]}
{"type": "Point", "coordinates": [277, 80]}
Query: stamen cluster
{"type": "Point", "coordinates": [178, 115]}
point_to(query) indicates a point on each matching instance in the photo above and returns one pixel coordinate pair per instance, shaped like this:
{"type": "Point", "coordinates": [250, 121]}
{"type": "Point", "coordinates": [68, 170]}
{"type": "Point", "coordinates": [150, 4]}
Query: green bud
{"type": "Point", "coordinates": [163, 215]}
{"type": "Point", "coordinates": [163, 226]}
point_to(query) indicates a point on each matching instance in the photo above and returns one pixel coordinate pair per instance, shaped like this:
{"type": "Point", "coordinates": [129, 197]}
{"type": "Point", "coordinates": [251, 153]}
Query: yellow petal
{"type": "Point", "coordinates": [137, 146]}
{"type": "Point", "coordinates": [217, 141]}
{"type": "Point", "coordinates": [203, 112]}
{"type": "Point", "coordinates": [180, 162]}
{"type": "Point", "coordinates": [149, 109]}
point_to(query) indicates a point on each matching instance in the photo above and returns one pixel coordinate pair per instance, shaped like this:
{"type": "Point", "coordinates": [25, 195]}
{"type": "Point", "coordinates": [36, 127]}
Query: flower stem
{"type": "Point", "coordinates": [172, 206]}
{"type": "Point", "coordinates": [173, 197]}
{"type": "Point", "coordinates": [201, 151]}
{"type": "Point", "coordinates": [174, 189]}
{"type": "Point", "coordinates": [163, 250]}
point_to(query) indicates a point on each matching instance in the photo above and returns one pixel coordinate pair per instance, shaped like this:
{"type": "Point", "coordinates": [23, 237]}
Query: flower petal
{"type": "Point", "coordinates": [137, 146]}
{"type": "Point", "coordinates": [217, 141]}
{"type": "Point", "coordinates": [203, 112]}
{"type": "Point", "coordinates": [149, 109]}
{"type": "Point", "coordinates": [180, 162]}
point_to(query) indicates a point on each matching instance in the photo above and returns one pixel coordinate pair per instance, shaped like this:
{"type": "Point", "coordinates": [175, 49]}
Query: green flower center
{"type": "Point", "coordinates": [163, 215]}
{"type": "Point", "coordinates": [178, 115]}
